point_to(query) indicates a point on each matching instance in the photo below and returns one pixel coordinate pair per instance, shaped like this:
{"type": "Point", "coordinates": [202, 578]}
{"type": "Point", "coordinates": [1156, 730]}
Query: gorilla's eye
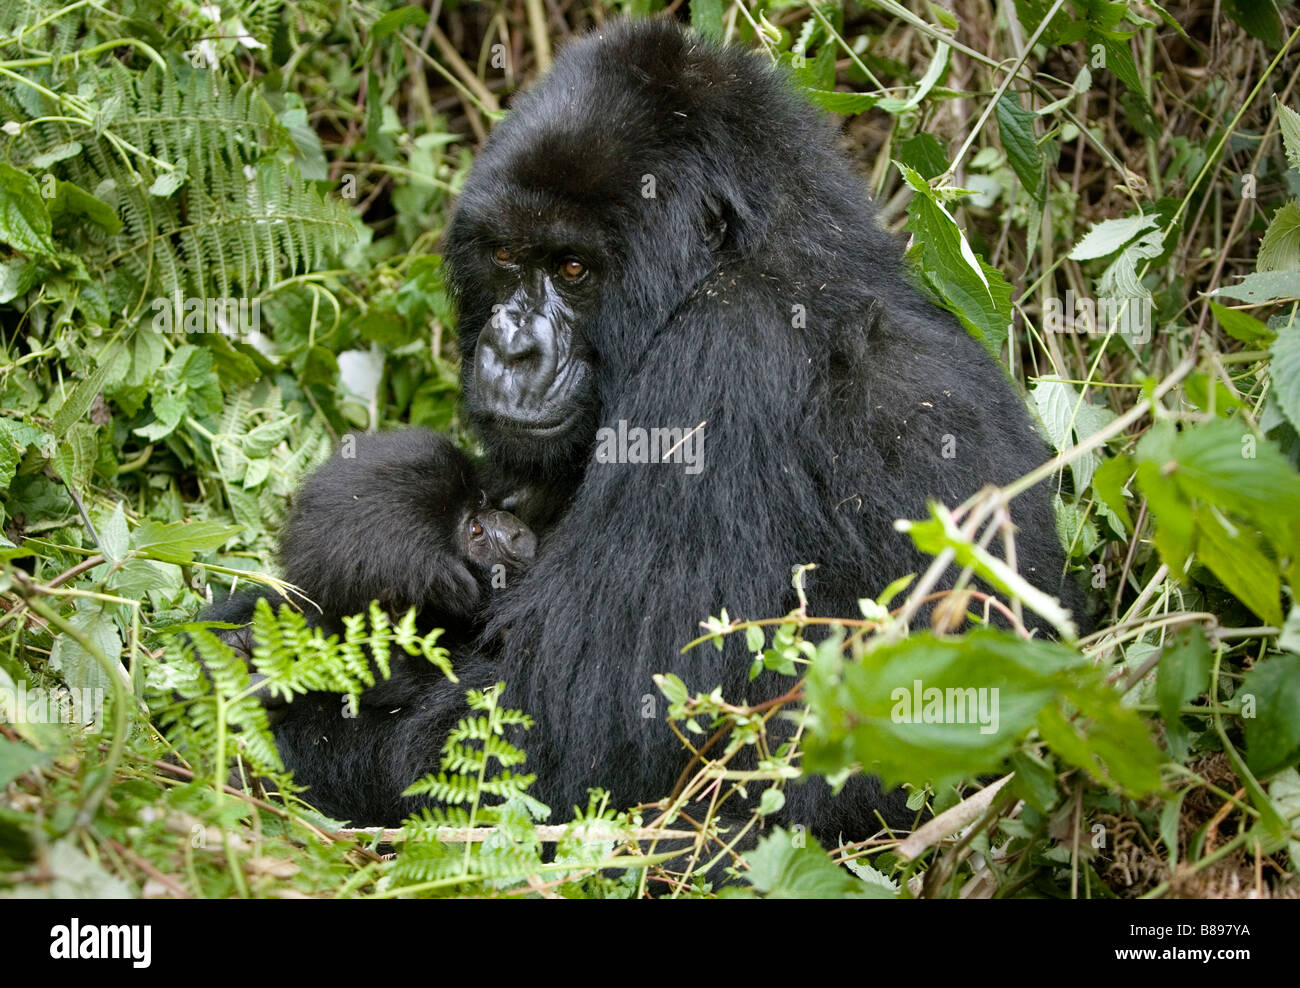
{"type": "Point", "coordinates": [503, 257]}
{"type": "Point", "coordinates": [572, 269]}
{"type": "Point", "coordinates": [475, 528]}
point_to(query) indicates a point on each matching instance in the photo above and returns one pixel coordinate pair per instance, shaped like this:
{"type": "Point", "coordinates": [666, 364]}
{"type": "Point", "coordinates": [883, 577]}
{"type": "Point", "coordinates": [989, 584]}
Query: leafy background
{"type": "Point", "coordinates": [304, 155]}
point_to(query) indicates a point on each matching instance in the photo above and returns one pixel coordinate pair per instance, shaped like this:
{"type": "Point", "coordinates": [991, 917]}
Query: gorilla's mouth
{"type": "Point", "coordinates": [529, 427]}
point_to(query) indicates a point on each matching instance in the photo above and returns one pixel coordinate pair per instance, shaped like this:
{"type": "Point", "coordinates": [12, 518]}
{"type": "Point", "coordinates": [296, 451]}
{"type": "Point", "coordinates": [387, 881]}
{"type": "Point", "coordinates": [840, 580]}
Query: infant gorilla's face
{"type": "Point", "coordinates": [487, 538]}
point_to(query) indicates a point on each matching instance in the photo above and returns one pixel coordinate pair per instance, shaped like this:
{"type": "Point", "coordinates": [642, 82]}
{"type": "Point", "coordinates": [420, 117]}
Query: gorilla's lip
{"type": "Point", "coordinates": [534, 428]}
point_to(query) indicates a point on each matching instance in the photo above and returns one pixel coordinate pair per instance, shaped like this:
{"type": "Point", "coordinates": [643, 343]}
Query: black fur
{"type": "Point", "coordinates": [400, 517]}
{"type": "Point", "coordinates": [820, 430]}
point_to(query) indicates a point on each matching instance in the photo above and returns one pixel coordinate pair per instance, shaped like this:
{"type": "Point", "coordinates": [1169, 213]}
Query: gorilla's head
{"type": "Point", "coordinates": [400, 518]}
{"type": "Point", "coordinates": [597, 207]}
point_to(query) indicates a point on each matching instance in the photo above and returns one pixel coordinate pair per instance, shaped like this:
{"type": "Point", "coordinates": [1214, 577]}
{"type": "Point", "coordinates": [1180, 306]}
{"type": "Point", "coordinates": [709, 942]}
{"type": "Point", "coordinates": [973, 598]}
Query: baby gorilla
{"type": "Point", "coordinates": [399, 517]}
{"type": "Point", "coordinates": [396, 517]}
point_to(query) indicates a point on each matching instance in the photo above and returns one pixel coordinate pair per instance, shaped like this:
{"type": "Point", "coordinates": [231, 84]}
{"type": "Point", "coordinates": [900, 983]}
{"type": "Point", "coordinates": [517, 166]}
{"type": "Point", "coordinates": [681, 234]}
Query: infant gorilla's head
{"type": "Point", "coordinates": [399, 517]}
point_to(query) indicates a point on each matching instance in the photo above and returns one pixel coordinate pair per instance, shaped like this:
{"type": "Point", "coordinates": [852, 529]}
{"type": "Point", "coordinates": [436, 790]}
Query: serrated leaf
{"type": "Point", "coordinates": [932, 709]}
{"type": "Point", "coordinates": [1108, 236]}
{"type": "Point", "coordinates": [1263, 286]}
{"type": "Point", "coordinates": [1220, 488]}
{"type": "Point", "coordinates": [1023, 153]}
{"type": "Point", "coordinates": [975, 292]}
{"type": "Point", "coordinates": [1280, 249]}
{"type": "Point", "coordinates": [1284, 370]}
{"type": "Point", "coordinates": [1289, 123]}
{"type": "Point", "coordinates": [782, 867]}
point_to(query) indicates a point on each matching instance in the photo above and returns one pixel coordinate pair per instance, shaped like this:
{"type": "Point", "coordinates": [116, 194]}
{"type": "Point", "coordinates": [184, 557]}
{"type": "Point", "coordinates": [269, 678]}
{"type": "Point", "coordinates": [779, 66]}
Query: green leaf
{"type": "Point", "coordinates": [167, 183]}
{"type": "Point", "coordinates": [1034, 782]}
{"type": "Point", "coordinates": [79, 668]}
{"type": "Point", "coordinates": [1183, 673]}
{"type": "Point", "coordinates": [1284, 371]}
{"type": "Point", "coordinates": [1221, 490]}
{"type": "Point", "coordinates": [1280, 250]}
{"type": "Point", "coordinates": [1108, 236]}
{"type": "Point", "coordinates": [781, 867]}
{"type": "Point", "coordinates": [139, 577]}
{"type": "Point", "coordinates": [1066, 417]}
{"type": "Point", "coordinates": [938, 65]}
{"type": "Point", "coordinates": [975, 292]}
{"type": "Point", "coordinates": [1240, 325]}
{"type": "Point", "coordinates": [176, 542]}
{"type": "Point", "coordinates": [706, 17]}
{"type": "Point", "coordinates": [1289, 123]}
{"type": "Point", "coordinates": [17, 758]}
{"type": "Point", "coordinates": [846, 104]}
{"type": "Point", "coordinates": [1023, 153]}
{"type": "Point", "coordinates": [1236, 558]}
{"type": "Point", "coordinates": [261, 439]}
{"type": "Point", "coordinates": [1091, 729]}
{"type": "Point", "coordinates": [24, 218]}
{"type": "Point", "coordinates": [1263, 286]}
{"type": "Point", "coordinates": [79, 399]}
{"type": "Point", "coordinates": [1260, 19]}
{"type": "Point", "coordinates": [1273, 734]}
{"type": "Point", "coordinates": [771, 801]}
{"type": "Point", "coordinates": [932, 709]}
{"type": "Point", "coordinates": [395, 20]}
{"type": "Point", "coordinates": [1108, 484]}
{"type": "Point", "coordinates": [72, 204]}
{"type": "Point", "coordinates": [672, 687]}
{"type": "Point", "coordinates": [114, 536]}
{"type": "Point", "coordinates": [55, 154]}
{"type": "Point", "coordinates": [925, 154]}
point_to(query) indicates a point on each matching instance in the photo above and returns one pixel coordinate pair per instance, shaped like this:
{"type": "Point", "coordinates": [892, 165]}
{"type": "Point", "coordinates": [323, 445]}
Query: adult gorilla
{"type": "Point", "coordinates": [661, 234]}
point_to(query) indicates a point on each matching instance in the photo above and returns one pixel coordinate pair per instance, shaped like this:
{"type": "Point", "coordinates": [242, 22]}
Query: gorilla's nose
{"type": "Point", "coordinates": [523, 544]}
{"type": "Point", "coordinates": [515, 541]}
{"type": "Point", "coordinates": [516, 356]}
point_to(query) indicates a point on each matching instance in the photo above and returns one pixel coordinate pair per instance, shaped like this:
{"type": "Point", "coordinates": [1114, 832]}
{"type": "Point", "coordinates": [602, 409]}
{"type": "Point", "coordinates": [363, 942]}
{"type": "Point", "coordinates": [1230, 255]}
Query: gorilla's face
{"type": "Point", "coordinates": [488, 538]}
{"type": "Point", "coordinates": [530, 286]}
{"type": "Point", "coordinates": [529, 377]}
